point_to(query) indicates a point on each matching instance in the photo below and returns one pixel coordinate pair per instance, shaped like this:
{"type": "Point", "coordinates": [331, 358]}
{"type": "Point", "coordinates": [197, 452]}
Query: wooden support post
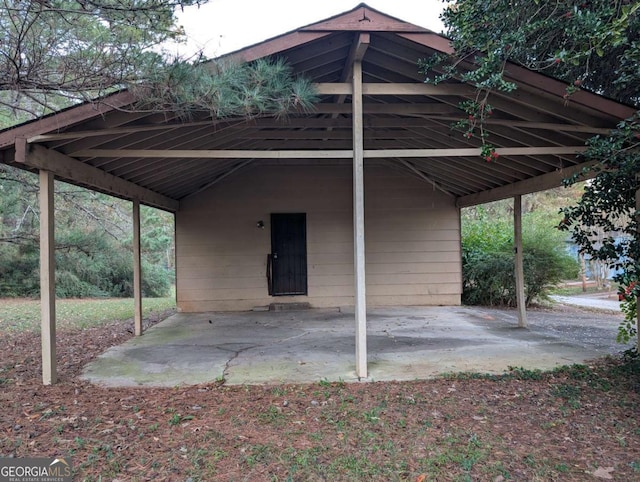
{"type": "Point", "coordinates": [137, 269]}
{"type": "Point", "coordinates": [47, 279]}
{"type": "Point", "coordinates": [519, 261]}
{"type": "Point", "coordinates": [358, 224]}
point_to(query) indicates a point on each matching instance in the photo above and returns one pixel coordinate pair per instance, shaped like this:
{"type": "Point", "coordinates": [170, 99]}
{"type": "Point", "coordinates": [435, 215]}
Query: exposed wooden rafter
{"type": "Point", "coordinates": [289, 40]}
{"type": "Point", "coordinates": [527, 78]}
{"type": "Point", "coordinates": [219, 178]}
{"type": "Point", "coordinates": [534, 184]}
{"type": "Point", "coordinates": [406, 123]}
{"type": "Point", "coordinates": [117, 131]}
{"type": "Point", "coordinates": [286, 125]}
{"type": "Point", "coordinates": [423, 176]}
{"type": "Point", "coordinates": [377, 88]}
{"type": "Point", "coordinates": [549, 126]}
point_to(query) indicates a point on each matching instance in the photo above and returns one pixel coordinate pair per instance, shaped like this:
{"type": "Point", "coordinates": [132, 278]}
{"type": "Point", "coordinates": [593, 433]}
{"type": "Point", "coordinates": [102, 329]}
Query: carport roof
{"type": "Point", "coordinates": [160, 159]}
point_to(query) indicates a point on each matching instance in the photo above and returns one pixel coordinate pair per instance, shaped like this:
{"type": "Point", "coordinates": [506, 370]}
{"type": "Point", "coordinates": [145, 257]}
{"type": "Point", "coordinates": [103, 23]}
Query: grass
{"type": "Point", "coordinates": [576, 290]}
{"type": "Point", "coordinates": [371, 432]}
{"type": "Point", "coordinates": [492, 427]}
{"type": "Point", "coordinates": [19, 314]}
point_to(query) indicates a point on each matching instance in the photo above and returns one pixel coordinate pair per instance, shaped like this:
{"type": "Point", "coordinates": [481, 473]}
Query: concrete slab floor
{"type": "Point", "coordinates": [308, 346]}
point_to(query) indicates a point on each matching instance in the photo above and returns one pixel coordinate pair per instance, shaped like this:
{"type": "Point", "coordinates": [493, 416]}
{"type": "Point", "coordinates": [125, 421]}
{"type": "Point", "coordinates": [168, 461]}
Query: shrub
{"type": "Point", "coordinates": [488, 260]}
{"type": "Point", "coordinates": [156, 280]}
{"type": "Point", "coordinates": [68, 285]}
{"type": "Point", "coordinates": [19, 272]}
{"type": "Point", "coordinates": [87, 269]}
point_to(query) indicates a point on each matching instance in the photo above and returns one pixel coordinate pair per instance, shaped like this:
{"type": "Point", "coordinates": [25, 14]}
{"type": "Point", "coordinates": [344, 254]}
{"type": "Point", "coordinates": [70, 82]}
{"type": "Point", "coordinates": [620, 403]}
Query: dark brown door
{"type": "Point", "coordinates": [289, 254]}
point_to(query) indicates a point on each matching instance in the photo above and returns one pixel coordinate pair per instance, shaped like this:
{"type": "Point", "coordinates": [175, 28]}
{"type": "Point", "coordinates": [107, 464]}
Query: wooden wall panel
{"type": "Point", "coordinates": [412, 239]}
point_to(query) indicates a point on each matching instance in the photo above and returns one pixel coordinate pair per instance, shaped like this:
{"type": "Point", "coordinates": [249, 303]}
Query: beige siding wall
{"type": "Point", "coordinates": [412, 239]}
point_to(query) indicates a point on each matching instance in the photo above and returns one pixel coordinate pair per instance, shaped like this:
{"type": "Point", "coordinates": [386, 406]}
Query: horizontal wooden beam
{"type": "Point", "coordinates": [285, 125]}
{"type": "Point", "coordinates": [399, 109]}
{"type": "Point", "coordinates": [334, 135]}
{"type": "Point", "coordinates": [213, 154]}
{"type": "Point", "coordinates": [133, 129]}
{"type": "Point", "coordinates": [215, 124]}
{"type": "Point", "coordinates": [534, 184]}
{"type": "Point", "coordinates": [549, 126]}
{"type": "Point", "coordinates": [290, 123]}
{"type": "Point", "coordinates": [74, 171]}
{"type": "Point", "coordinates": [321, 154]}
{"type": "Point", "coordinates": [476, 151]}
{"type": "Point", "coordinates": [345, 88]}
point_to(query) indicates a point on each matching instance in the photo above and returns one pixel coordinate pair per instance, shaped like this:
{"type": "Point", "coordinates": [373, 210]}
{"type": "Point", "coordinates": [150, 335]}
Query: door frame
{"type": "Point", "coordinates": [301, 282]}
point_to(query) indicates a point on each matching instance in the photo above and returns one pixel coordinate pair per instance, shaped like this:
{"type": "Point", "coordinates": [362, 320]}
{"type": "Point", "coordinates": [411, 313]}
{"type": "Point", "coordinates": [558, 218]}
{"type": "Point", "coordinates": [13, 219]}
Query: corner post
{"type": "Point", "coordinates": [358, 224]}
{"type": "Point", "coordinates": [137, 269]}
{"type": "Point", "coordinates": [519, 261]}
{"type": "Point", "coordinates": [47, 279]}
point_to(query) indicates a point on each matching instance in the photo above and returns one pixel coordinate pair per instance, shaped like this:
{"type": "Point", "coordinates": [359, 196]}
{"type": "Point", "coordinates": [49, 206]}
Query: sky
{"type": "Point", "coordinates": [223, 26]}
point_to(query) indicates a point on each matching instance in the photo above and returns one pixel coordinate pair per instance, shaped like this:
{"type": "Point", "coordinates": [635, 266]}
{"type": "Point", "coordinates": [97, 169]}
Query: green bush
{"type": "Point", "coordinates": [19, 272]}
{"type": "Point", "coordinates": [108, 272]}
{"type": "Point", "coordinates": [156, 281]}
{"type": "Point", "coordinates": [93, 238]}
{"type": "Point", "coordinates": [68, 285]}
{"type": "Point", "coordinates": [88, 266]}
{"type": "Point", "coordinates": [488, 277]}
{"type": "Point", "coordinates": [488, 260]}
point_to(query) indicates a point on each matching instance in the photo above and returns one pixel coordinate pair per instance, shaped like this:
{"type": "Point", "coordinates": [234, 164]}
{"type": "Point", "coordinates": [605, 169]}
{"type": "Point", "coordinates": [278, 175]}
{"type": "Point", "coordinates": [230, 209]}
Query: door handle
{"type": "Point", "coordinates": [274, 255]}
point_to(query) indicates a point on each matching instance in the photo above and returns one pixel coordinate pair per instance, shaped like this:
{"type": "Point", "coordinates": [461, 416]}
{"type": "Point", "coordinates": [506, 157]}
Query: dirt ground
{"type": "Point", "coordinates": [576, 423]}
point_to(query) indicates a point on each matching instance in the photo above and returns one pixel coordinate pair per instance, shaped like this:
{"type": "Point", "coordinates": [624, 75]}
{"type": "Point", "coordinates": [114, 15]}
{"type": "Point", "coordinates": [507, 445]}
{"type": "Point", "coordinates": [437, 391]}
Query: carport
{"type": "Point", "coordinates": [376, 119]}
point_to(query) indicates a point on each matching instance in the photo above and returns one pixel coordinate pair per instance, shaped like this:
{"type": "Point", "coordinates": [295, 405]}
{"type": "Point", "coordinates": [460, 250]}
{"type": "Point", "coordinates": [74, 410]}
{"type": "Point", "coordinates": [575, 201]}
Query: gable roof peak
{"type": "Point", "coordinates": [363, 18]}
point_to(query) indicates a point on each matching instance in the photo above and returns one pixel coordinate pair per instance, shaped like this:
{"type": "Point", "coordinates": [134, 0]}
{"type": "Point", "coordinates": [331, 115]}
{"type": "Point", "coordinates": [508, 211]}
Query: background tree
{"type": "Point", "coordinates": [594, 45]}
{"type": "Point", "coordinates": [94, 251]}
{"type": "Point", "coordinates": [54, 53]}
{"type": "Point", "coordinates": [590, 44]}
{"type": "Point", "coordinates": [52, 50]}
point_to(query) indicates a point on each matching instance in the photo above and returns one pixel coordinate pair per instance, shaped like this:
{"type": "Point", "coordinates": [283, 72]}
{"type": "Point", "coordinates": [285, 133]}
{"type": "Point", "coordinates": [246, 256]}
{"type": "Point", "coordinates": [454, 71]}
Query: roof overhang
{"type": "Point", "coordinates": [160, 159]}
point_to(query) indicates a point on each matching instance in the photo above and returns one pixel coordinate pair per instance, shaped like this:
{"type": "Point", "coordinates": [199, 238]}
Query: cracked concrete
{"type": "Point", "coordinates": [307, 346]}
{"type": "Point", "coordinates": [225, 371]}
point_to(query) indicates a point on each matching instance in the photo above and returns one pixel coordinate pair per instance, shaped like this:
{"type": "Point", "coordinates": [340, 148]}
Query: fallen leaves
{"type": "Point", "coordinates": [603, 473]}
{"type": "Point", "coordinates": [424, 430]}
